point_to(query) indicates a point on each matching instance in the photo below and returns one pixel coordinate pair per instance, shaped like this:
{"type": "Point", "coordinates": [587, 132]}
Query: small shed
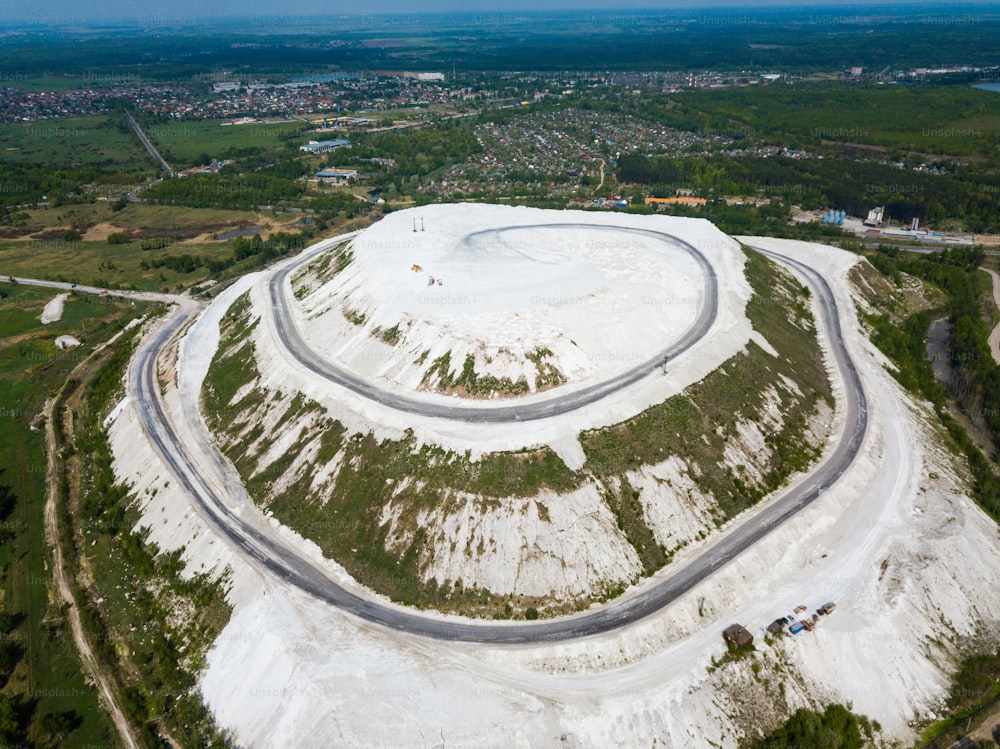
{"type": "Point", "coordinates": [737, 634]}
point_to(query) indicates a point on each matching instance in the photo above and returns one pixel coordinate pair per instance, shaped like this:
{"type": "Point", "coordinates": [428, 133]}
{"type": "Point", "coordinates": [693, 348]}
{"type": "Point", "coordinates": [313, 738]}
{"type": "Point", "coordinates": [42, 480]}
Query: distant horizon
{"type": "Point", "coordinates": [54, 13]}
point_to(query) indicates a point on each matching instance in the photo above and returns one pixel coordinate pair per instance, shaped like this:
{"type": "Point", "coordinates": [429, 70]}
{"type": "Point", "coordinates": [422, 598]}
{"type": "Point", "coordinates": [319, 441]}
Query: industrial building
{"type": "Point", "coordinates": [875, 216]}
{"type": "Point", "coordinates": [337, 176]}
{"type": "Point", "coordinates": [324, 146]}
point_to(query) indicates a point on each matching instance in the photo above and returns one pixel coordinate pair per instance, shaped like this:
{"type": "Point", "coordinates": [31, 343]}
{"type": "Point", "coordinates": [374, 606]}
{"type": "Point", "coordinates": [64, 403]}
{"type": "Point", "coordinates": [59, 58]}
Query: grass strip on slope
{"type": "Point", "coordinates": [348, 520]}
{"type": "Point", "coordinates": [696, 424]}
{"type": "Point", "coordinates": [348, 525]}
{"type": "Point", "coordinates": [149, 624]}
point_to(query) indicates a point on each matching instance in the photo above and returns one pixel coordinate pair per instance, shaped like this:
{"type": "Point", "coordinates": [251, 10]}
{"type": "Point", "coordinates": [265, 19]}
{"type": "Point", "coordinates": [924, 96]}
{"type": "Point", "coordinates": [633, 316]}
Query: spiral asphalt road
{"type": "Point", "coordinates": [298, 349]}
{"type": "Point", "coordinates": [257, 542]}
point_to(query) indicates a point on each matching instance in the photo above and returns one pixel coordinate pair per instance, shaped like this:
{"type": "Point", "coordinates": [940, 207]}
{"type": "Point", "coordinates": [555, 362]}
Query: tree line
{"type": "Point", "coordinates": [852, 186]}
{"type": "Point", "coordinates": [975, 376]}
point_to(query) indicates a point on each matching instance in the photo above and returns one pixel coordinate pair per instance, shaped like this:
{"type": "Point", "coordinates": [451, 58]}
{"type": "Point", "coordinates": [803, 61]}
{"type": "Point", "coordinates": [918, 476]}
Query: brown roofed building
{"type": "Point", "coordinates": [737, 634]}
{"type": "Point", "coordinates": [669, 201]}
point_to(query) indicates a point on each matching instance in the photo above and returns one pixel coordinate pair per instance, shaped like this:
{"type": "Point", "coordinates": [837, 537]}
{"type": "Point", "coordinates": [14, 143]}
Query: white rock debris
{"type": "Point", "coordinates": [289, 671]}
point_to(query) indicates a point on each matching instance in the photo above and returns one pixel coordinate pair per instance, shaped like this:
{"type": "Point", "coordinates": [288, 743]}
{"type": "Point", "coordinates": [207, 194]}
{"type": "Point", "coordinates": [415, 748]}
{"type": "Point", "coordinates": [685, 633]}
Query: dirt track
{"type": "Point", "coordinates": [995, 335]}
{"type": "Point", "coordinates": [90, 663]}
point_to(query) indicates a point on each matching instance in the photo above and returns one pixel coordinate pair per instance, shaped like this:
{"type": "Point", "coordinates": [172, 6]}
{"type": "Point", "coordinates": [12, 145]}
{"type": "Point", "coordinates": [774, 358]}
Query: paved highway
{"type": "Point", "coordinates": [259, 544]}
{"type": "Point", "coordinates": [149, 146]}
{"type": "Point", "coordinates": [145, 296]}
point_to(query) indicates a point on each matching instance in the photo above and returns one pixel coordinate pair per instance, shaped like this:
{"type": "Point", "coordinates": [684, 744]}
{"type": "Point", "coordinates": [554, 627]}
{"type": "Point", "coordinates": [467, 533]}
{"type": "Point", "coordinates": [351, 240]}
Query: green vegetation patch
{"type": "Point", "coordinates": [188, 143]}
{"type": "Point", "coordinates": [388, 336]}
{"type": "Point", "coordinates": [40, 673]}
{"type": "Point", "coordinates": [975, 693]}
{"type": "Point", "coordinates": [354, 317]}
{"type": "Point", "coordinates": [628, 511]}
{"type": "Point", "coordinates": [547, 374]}
{"type": "Point", "coordinates": [146, 264]}
{"type": "Point", "coordinates": [324, 268]}
{"type": "Point", "coordinates": [475, 384]}
{"type": "Point", "coordinates": [115, 266]}
{"type": "Point", "coordinates": [469, 383]}
{"type": "Point", "coordinates": [967, 304]}
{"type": "Point", "coordinates": [149, 625]}
{"type": "Point", "coordinates": [834, 728]}
{"type": "Point", "coordinates": [853, 186]}
{"type": "Point", "coordinates": [696, 424]}
{"type": "Point", "coordinates": [347, 521]}
{"type": "Point", "coordinates": [97, 141]}
{"type": "Point", "coordinates": [62, 160]}
{"type": "Point", "coordinates": [955, 119]}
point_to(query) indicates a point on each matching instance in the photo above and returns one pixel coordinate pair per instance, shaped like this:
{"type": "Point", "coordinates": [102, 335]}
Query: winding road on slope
{"type": "Point", "coordinates": [292, 340]}
{"type": "Point", "coordinates": [257, 542]}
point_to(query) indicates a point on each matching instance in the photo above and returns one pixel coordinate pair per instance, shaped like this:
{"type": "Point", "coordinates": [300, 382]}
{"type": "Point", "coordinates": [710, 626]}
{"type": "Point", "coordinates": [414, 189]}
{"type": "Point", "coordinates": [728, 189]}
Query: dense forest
{"type": "Point", "coordinates": [240, 192]}
{"type": "Point", "coordinates": [975, 375]}
{"type": "Point", "coordinates": [943, 116]}
{"type": "Point", "coordinates": [852, 186]}
{"type": "Point", "coordinates": [684, 38]}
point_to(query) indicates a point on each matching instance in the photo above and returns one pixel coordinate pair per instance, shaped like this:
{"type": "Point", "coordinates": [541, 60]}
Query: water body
{"type": "Point", "coordinates": [938, 350]}
{"type": "Point", "coordinates": [942, 359]}
{"type": "Point", "coordinates": [988, 86]}
{"type": "Point", "coordinates": [250, 231]}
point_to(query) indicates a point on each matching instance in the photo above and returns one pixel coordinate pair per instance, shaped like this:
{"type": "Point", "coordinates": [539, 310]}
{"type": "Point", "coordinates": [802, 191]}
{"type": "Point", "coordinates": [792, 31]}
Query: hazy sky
{"type": "Point", "coordinates": [71, 12]}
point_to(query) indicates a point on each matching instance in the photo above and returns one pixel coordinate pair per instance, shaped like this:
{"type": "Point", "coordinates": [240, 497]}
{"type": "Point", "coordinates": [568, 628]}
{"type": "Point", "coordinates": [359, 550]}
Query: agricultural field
{"type": "Point", "coordinates": [71, 243]}
{"type": "Point", "coordinates": [145, 220]}
{"type": "Point", "coordinates": [111, 266]}
{"type": "Point", "coordinates": [188, 143]}
{"type": "Point", "coordinates": [96, 141]}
